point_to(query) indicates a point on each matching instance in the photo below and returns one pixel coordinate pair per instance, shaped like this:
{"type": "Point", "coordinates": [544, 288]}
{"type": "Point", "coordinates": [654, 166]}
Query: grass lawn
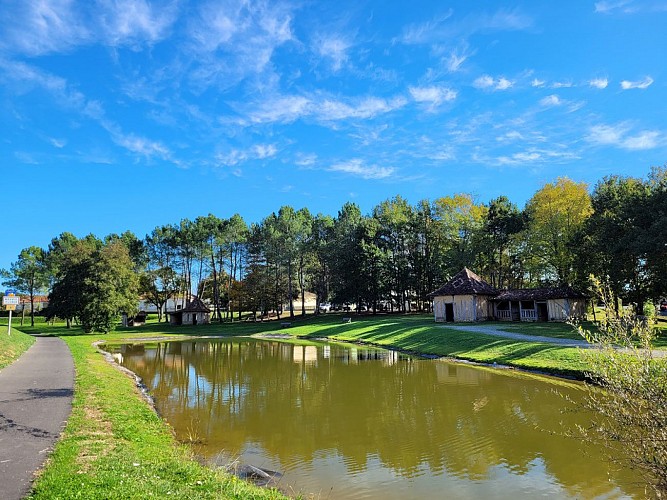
{"type": "Point", "coordinates": [115, 446]}
{"type": "Point", "coordinates": [12, 346]}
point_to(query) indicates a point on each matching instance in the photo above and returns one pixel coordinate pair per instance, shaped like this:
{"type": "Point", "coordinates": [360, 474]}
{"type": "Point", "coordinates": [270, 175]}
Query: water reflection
{"type": "Point", "coordinates": [355, 422]}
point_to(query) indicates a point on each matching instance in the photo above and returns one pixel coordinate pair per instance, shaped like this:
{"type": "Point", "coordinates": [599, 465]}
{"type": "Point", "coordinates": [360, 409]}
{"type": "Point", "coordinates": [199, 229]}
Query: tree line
{"type": "Point", "coordinates": [387, 260]}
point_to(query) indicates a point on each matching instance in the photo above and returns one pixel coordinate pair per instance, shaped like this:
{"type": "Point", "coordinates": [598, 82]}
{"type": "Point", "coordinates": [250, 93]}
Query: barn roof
{"type": "Point", "coordinates": [563, 292]}
{"type": "Point", "coordinates": [465, 282]}
{"type": "Point", "coordinates": [196, 305]}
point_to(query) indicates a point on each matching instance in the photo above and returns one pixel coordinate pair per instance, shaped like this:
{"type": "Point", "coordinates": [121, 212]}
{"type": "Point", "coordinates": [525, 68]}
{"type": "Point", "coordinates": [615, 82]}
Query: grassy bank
{"type": "Point", "coordinates": [115, 446]}
{"type": "Point", "coordinates": [12, 346]}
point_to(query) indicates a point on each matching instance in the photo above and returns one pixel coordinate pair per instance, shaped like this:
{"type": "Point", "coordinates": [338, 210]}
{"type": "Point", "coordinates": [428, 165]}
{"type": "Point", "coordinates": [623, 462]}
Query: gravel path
{"type": "Point", "coordinates": [490, 330]}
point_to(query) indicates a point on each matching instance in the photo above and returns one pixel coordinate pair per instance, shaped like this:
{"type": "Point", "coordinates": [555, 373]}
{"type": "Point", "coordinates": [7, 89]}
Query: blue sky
{"type": "Point", "coordinates": [128, 114]}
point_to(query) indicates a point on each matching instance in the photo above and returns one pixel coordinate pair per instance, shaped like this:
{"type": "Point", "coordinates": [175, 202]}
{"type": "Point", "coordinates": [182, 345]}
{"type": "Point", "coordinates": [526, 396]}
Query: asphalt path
{"type": "Point", "coordinates": [490, 330]}
{"type": "Point", "coordinates": [35, 401]}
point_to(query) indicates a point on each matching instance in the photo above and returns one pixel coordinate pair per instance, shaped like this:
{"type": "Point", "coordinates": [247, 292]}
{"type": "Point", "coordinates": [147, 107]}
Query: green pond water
{"type": "Point", "coordinates": [347, 422]}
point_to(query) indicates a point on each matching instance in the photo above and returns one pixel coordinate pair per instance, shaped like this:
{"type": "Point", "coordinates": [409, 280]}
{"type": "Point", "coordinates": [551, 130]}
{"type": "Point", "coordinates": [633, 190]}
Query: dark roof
{"type": "Point", "coordinates": [196, 305]}
{"type": "Point", "coordinates": [564, 292]}
{"type": "Point", "coordinates": [465, 282]}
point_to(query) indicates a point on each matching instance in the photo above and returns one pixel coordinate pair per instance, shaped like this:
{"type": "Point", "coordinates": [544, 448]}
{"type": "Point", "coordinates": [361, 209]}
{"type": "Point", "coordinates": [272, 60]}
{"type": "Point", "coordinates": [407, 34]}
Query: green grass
{"type": "Point", "coordinates": [115, 446]}
{"type": "Point", "coordinates": [12, 346]}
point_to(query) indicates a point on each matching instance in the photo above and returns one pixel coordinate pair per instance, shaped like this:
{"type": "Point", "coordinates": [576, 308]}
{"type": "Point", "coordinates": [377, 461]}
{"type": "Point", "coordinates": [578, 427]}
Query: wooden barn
{"type": "Point", "coordinates": [466, 297]}
{"type": "Point", "coordinates": [539, 304]}
{"type": "Point", "coordinates": [194, 313]}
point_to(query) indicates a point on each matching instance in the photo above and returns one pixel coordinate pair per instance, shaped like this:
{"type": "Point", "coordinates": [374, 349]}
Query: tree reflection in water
{"type": "Point", "coordinates": [326, 414]}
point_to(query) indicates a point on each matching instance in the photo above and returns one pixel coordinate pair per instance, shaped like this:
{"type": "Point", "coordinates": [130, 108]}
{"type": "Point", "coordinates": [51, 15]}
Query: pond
{"type": "Point", "coordinates": [340, 421]}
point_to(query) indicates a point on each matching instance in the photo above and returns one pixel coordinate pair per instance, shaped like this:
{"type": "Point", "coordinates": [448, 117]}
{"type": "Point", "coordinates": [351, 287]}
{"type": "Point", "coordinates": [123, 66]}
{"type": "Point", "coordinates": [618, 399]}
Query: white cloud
{"type": "Point", "coordinates": [36, 27]}
{"type": "Point", "coordinates": [283, 109]}
{"type": "Point", "coordinates": [143, 146]}
{"type": "Point", "coordinates": [236, 39]}
{"type": "Point", "coordinates": [622, 136]}
{"type": "Point", "coordinates": [483, 82]}
{"type": "Point", "coordinates": [503, 84]}
{"type": "Point", "coordinates": [305, 159]}
{"type": "Point", "coordinates": [321, 107]}
{"type": "Point", "coordinates": [639, 84]}
{"type": "Point", "coordinates": [128, 21]}
{"type": "Point", "coordinates": [446, 26]}
{"type": "Point", "coordinates": [538, 83]}
{"type": "Point", "coordinates": [334, 48]}
{"type": "Point", "coordinates": [263, 151]}
{"type": "Point", "coordinates": [551, 100]}
{"type": "Point", "coordinates": [630, 6]}
{"type": "Point", "coordinates": [488, 82]}
{"type": "Point", "coordinates": [358, 168]}
{"type": "Point", "coordinates": [562, 85]}
{"type": "Point", "coordinates": [598, 83]}
{"type": "Point", "coordinates": [606, 7]}
{"type": "Point", "coordinates": [58, 143]}
{"type": "Point", "coordinates": [455, 59]}
{"type": "Point", "coordinates": [368, 107]}
{"type": "Point", "coordinates": [256, 152]}
{"type": "Point", "coordinates": [434, 95]}
{"type": "Point", "coordinates": [536, 156]}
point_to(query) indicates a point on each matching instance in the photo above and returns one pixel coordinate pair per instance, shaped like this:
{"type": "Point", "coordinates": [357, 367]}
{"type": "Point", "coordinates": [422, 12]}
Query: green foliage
{"type": "Point", "coordinates": [96, 283]}
{"type": "Point", "coordinates": [633, 408]}
{"type": "Point", "coordinates": [555, 214]}
{"type": "Point", "coordinates": [28, 275]}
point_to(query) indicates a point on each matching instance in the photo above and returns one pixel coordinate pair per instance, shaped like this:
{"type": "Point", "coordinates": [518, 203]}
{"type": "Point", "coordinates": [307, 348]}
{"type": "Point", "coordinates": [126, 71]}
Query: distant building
{"type": "Point", "coordinates": [194, 313]}
{"type": "Point", "coordinates": [467, 297]}
{"type": "Point", "coordinates": [40, 303]}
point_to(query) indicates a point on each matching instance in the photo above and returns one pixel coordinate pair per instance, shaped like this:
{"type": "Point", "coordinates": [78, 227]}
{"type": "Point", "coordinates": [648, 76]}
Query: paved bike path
{"type": "Point", "coordinates": [35, 402]}
{"type": "Point", "coordinates": [490, 330]}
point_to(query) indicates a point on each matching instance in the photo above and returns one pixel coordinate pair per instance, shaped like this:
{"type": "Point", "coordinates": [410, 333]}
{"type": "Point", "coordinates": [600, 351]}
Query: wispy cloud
{"type": "Point", "coordinates": [236, 39]}
{"type": "Point", "coordinates": [598, 83]}
{"type": "Point", "coordinates": [320, 107]}
{"type": "Point", "coordinates": [487, 82]}
{"type": "Point", "coordinates": [143, 147]}
{"type": "Point", "coordinates": [562, 85]}
{"type": "Point", "coordinates": [446, 26]}
{"type": "Point", "coordinates": [638, 84]}
{"type": "Point", "coordinates": [36, 27]}
{"type": "Point", "coordinates": [132, 21]}
{"type": "Point", "coordinates": [622, 136]}
{"type": "Point", "coordinates": [238, 156]}
{"type": "Point", "coordinates": [359, 168]}
{"type": "Point", "coordinates": [630, 6]}
{"type": "Point", "coordinates": [305, 159]}
{"type": "Point", "coordinates": [533, 156]}
{"type": "Point", "coordinates": [538, 83]}
{"type": "Point", "coordinates": [333, 48]}
{"type": "Point", "coordinates": [551, 101]}
{"type": "Point", "coordinates": [433, 95]}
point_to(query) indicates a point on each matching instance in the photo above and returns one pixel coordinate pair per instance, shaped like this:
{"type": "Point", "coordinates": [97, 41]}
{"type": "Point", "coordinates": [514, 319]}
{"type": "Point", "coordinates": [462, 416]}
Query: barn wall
{"type": "Point", "coordinates": [439, 308]}
{"type": "Point", "coordinates": [467, 308]}
{"type": "Point", "coordinates": [484, 308]}
{"type": "Point", "coordinates": [562, 309]}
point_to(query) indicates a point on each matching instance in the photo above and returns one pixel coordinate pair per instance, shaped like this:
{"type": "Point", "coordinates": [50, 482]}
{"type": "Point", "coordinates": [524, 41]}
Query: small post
{"type": "Point", "coordinates": [9, 325]}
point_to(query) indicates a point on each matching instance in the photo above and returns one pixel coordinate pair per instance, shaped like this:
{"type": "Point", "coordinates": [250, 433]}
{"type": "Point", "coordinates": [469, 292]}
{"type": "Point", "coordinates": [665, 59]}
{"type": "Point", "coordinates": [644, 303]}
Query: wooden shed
{"type": "Point", "coordinates": [539, 304]}
{"type": "Point", "coordinates": [466, 297]}
{"type": "Point", "coordinates": [194, 313]}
